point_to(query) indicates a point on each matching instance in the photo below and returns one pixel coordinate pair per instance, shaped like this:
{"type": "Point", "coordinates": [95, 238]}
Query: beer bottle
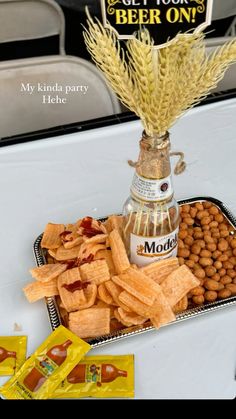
{"type": "Point", "coordinates": [151, 213]}
{"type": "Point", "coordinates": [6, 354]}
{"type": "Point", "coordinates": [101, 373]}
{"type": "Point", "coordinates": [45, 367]}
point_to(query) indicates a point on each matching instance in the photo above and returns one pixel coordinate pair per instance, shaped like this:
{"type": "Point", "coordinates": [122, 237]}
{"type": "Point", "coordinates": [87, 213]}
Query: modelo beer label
{"type": "Point", "coordinates": [164, 19]}
{"type": "Point", "coordinates": [145, 250]}
{"type": "Point", "coordinates": [151, 189]}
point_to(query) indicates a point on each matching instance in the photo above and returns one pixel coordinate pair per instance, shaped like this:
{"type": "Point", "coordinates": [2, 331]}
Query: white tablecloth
{"type": "Point", "coordinates": [81, 174]}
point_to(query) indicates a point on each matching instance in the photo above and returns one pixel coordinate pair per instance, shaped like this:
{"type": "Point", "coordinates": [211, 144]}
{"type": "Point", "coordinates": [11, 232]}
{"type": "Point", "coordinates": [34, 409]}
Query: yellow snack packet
{"type": "Point", "coordinates": [12, 353]}
{"type": "Point", "coordinates": [99, 376]}
{"type": "Point", "coordinates": [47, 367]}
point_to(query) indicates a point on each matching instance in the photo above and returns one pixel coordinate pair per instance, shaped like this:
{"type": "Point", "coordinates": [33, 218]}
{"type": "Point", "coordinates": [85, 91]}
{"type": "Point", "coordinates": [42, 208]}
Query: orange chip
{"type": "Point", "coordinates": [76, 241]}
{"type": "Point", "coordinates": [98, 226]}
{"type": "Point", "coordinates": [138, 284]}
{"type": "Point", "coordinates": [160, 311]}
{"type": "Point", "coordinates": [115, 222]}
{"type": "Point", "coordinates": [38, 290]}
{"type": "Point", "coordinates": [96, 271]}
{"type": "Point", "coordinates": [85, 250]}
{"type": "Point", "coordinates": [119, 254]}
{"type": "Point", "coordinates": [159, 270]}
{"type": "Point", "coordinates": [92, 224]}
{"type": "Point", "coordinates": [89, 323]}
{"type": "Point", "coordinates": [101, 304]}
{"type": "Point", "coordinates": [45, 273]}
{"type": "Point", "coordinates": [67, 254]}
{"type": "Point", "coordinates": [104, 295]}
{"type": "Point", "coordinates": [70, 227]}
{"type": "Point", "coordinates": [99, 238]}
{"type": "Point", "coordinates": [117, 316]}
{"type": "Point", "coordinates": [178, 284]}
{"type": "Point", "coordinates": [71, 300]}
{"type": "Point", "coordinates": [96, 247]}
{"type": "Point", "coordinates": [115, 291]}
{"type": "Point", "coordinates": [130, 319]}
{"type": "Point", "coordinates": [53, 253]}
{"type": "Point", "coordinates": [107, 226]}
{"type": "Point", "coordinates": [51, 236]}
{"type": "Point", "coordinates": [90, 295]}
{"type": "Point", "coordinates": [163, 313]}
{"type": "Point", "coordinates": [78, 223]}
{"type": "Point", "coordinates": [88, 249]}
{"type": "Point", "coordinates": [181, 306]}
{"type": "Point", "coordinates": [69, 234]}
{"type": "Point", "coordinates": [106, 254]}
{"type": "Point", "coordinates": [135, 305]}
{"type": "Point", "coordinates": [124, 322]}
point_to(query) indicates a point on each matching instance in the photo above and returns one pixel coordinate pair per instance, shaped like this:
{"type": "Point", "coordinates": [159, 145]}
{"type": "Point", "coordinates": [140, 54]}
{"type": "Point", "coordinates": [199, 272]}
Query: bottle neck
{"type": "Point", "coordinates": [6, 354]}
{"type": "Point", "coordinates": [154, 157]}
{"type": "Point", "coordinates": [122, 373]}
{"type": "Point", "coordinates": [11, 354]}
{"type": "Point", "coordinates": [66, 344]}
{"type": "Point", "coordinates": [152, 181]}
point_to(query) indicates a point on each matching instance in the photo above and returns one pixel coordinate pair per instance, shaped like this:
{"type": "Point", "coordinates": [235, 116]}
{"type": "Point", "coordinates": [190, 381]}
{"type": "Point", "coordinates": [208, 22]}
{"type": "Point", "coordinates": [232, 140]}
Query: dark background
{"type": "Point", "coordinates": [158, 32]}
{"type": "Point", "coordinates": [75, 17]}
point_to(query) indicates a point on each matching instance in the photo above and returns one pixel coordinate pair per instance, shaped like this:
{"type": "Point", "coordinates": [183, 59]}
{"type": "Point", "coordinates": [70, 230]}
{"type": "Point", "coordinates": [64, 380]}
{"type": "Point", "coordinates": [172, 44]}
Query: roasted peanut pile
{"type": "Point", "coordinates": [207, 245]}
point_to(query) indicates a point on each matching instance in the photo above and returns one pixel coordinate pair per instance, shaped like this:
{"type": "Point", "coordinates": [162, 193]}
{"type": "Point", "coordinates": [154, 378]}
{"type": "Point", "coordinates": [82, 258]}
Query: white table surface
{"type": "Point", "coordinates": [64, 178]}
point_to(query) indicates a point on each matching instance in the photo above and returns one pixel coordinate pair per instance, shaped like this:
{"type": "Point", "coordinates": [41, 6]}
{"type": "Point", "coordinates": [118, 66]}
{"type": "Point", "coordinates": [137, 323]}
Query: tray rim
{"type": "Point", "coordinates": [53, 310]}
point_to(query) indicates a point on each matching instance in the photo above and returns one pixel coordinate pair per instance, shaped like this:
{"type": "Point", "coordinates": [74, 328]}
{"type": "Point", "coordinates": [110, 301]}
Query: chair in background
{"type": "Point", "coordinates": [232, 29]}
{"type": "Point", "coordinates": [22, 112]}
{"type": "Point", "coordinates": [22, 20]}
{"type": "Point", "coordinates": [223, 8]}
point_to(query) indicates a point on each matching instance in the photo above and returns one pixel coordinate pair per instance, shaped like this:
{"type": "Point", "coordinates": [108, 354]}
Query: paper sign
{"type": "Point", "coordinates": [163, 18]}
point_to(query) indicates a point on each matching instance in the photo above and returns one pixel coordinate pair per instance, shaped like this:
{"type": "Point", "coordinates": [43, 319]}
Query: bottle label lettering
{"type": "Point", "coordinates": [151, 189]}
{"type": "Point", "coordinates": [145, 250]}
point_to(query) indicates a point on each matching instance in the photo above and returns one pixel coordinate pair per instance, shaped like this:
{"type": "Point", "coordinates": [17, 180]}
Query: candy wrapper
{"type": "Point", "coordinates": [47, 367]}
{"type": "Point", "coordinates": [12, 353]}
{"type": "Point", "coordinates": [99, 376]}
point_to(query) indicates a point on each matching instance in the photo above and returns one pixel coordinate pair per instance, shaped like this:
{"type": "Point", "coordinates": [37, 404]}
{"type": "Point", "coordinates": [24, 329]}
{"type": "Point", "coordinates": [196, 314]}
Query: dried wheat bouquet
{"type": "Point", "coordinates": [159, 85]}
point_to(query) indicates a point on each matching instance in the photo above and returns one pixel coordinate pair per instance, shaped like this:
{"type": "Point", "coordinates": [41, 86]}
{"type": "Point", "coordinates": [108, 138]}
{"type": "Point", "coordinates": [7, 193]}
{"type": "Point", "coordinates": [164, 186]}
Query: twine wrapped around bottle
{"type": "Point", "coordinates": [179, 167]}
{"type": "Point", "coordinates": [154, 161]}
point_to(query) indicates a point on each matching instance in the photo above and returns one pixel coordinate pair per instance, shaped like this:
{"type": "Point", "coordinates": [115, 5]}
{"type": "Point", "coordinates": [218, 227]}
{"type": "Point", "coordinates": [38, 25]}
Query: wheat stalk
{"type": "Point", "coordinates": [140, 53]}
{"type": "Point", "coordinates": [185, 58]}
{"type": "Point", "coordinates": [158, 85]}
{"type": "Point", "coordinates": [110, 59]}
